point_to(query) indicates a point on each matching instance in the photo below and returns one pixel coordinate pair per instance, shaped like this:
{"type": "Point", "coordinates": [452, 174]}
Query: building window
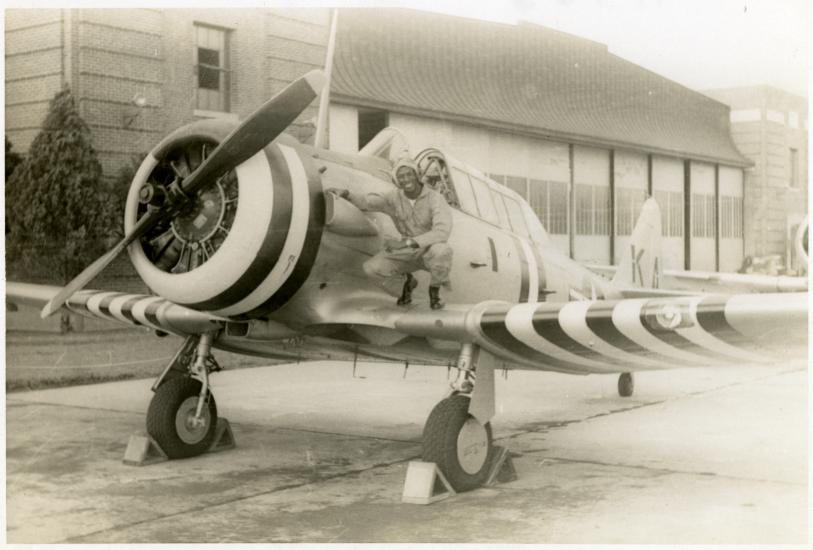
{"type": "Point", "coordinates": [370, 123]}
{"type": "Point", "coordinates": [794, 167]}
{"type": "Point", "coordinates": [212, 68]}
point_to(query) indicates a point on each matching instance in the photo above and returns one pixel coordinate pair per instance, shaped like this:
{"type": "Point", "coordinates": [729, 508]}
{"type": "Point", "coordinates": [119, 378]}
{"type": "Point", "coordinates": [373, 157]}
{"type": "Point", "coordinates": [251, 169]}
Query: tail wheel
{"type": "Point", "coordinates": [458, 443]}
{"type": "Point", "coordinates": [626, 384]}
{"type": "Point", "coordinates": [170, 418]}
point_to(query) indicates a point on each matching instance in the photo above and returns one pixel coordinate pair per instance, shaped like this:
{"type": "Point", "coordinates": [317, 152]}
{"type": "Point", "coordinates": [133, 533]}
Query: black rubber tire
{"type": "Point", "coordinates": [164, 410]}
{"type": "Point", "coordinates": [626, 384]}
{"type": "Point", "coordinates": [440, 443]}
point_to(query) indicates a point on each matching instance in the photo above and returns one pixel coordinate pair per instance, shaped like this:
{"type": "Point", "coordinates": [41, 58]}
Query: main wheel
{"type": "Point", "coordinates": [626, 384]}
{"type": "Point", "coordinates": [170, 418]}
{"type": "Point", "coordinates": [458, 443]}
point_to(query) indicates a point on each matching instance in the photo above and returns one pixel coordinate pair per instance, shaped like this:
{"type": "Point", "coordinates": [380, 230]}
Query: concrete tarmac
{"type": "Point", "coordinates": [695, 456]}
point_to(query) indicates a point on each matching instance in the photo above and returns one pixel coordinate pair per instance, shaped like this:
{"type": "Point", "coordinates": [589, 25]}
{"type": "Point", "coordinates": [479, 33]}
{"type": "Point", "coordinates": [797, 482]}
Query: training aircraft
{"type": "Point", "coordinates": [230, 226]}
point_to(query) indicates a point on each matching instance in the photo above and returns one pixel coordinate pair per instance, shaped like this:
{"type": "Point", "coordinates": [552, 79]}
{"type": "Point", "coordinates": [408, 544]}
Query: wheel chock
{"type": "Point", "coordinates": [425, 484]}
{"type": "Point", "coordinates": [224, 437]}
{"type": "Point", "coordinates": [502, 467]}
{"type": "Point", "coordinates": [143, 450]}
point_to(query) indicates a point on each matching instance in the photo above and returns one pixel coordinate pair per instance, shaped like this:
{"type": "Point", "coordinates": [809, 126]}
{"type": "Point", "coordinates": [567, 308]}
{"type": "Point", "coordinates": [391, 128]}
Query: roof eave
{"type": "Point", "coordinates": [533, 131]}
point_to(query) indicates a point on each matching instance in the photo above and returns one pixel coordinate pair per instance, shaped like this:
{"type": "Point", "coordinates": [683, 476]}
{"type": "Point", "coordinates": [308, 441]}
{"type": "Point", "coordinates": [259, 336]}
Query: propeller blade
{"type": "Point", "coordinates": [245, 141]}
{"type": "Point", "coordinates": [258, 130]}
{"type": "Point", "coordinates": [89, 273]}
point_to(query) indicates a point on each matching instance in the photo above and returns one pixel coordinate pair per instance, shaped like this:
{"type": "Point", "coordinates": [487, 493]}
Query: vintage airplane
{"type": "Point", "coordinates": [230, 227]}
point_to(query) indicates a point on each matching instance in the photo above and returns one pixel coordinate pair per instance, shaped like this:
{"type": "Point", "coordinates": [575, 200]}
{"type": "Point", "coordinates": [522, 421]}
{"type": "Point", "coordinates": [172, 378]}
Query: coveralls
{"type": "Point", "coordinates": [428, 222]}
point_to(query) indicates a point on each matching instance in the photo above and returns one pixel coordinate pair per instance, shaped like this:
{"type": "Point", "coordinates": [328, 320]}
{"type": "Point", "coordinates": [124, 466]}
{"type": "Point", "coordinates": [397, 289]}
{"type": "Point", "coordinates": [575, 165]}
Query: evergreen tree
{"type": "Point", "coordinates": [58, 210]}
{"type": "Point", "coordinates": [12, 159]}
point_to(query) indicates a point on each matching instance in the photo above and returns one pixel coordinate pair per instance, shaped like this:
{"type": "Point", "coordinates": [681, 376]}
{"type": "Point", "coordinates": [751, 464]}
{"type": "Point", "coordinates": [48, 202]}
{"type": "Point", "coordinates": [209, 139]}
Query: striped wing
{"type": "Point", "coordinates": [133, 309]}
{"type": "Point", "coordinates": [626, 335]}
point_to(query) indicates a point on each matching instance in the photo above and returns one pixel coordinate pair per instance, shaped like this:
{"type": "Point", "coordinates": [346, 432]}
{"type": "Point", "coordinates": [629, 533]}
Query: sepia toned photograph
{"type": "Point", "coordinates": [428, 272]}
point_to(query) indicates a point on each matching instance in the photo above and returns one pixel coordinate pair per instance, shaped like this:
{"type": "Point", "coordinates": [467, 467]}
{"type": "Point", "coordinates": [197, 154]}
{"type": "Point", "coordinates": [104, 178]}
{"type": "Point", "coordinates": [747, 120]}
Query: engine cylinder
{"type": "Point", "coordinates": [246, 242]}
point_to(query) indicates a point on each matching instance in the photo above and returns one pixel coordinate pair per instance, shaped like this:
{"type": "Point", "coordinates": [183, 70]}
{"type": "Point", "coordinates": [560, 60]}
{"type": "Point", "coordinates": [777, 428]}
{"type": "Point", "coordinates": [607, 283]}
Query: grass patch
{"type": "Point", "coordinates": [37, 361]}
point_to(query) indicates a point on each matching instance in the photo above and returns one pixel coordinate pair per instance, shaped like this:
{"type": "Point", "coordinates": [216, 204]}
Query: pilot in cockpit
{"type": "Point", "coordinates": [424, 220]}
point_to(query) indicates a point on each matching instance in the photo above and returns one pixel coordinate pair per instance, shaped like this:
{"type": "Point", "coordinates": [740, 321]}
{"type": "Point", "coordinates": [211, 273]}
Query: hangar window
{"type": "Point", "coordinates": [730, 217]}
{"type": "Point", "coordinates": [211, 67]}
{"type": "Point", "coordinates": [703, 218]}
{"type": "Point", "coordinates": [548, 199]}
{"type": "Point", "coordinates": [628, 204]}
{"type": "Point", "coordinates": [592, 209]}
{"type": "Point", "coordinates": [671, 205]}
{"type": "Point", "coordinates": [518, 184]}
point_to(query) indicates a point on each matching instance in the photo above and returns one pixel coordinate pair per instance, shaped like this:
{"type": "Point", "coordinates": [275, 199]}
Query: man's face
{"type": "Point", "coordinates": [407, 179]}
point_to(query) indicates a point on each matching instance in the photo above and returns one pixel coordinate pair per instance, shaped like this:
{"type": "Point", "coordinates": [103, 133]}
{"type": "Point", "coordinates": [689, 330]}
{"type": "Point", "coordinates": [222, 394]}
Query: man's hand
{"type": "Point", "coordinates": [391, 245]}
{"type": "Point", "coordinates": [343, 193]}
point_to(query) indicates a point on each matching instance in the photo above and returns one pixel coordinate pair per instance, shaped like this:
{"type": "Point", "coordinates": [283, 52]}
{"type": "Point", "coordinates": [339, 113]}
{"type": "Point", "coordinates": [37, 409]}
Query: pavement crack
{"type": "Point", "coordinates": [350, 473]}
{"type": "Point", "coordinates": [669, 471]}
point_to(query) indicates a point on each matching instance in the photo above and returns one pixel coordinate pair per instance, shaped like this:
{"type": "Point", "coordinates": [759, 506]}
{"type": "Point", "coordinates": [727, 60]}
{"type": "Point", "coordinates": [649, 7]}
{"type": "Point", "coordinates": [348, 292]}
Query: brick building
{"type": "Point", "coordinates": [769, 126]}
{"type": "Point", "coordinates": [138, 74]}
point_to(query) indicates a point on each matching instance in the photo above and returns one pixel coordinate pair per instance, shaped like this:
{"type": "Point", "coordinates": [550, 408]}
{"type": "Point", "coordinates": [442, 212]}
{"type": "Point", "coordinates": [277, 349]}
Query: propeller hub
{"type": "Point", "coordinates": [202, 219]}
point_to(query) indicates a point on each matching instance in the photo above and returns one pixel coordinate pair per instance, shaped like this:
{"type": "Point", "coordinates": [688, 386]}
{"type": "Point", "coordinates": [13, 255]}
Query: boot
{"type": "Point", "coordinates": [434, 298]}
{"type": "Point", "coordinates": [406, 293]}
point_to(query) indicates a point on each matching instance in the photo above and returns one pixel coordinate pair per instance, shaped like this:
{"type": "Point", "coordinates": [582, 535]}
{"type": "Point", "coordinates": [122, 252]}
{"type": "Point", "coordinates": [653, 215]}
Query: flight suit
{"type": "Point", "coordinates": [428, 222]}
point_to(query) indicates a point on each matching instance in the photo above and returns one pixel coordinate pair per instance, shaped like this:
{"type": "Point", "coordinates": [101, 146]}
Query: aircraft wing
{"type": "Point", "coordinates": [710, 281]}
{"type": "Point", "coordinates": [132, 309]}
{"type": "Point", "coordinates": [625, 335]}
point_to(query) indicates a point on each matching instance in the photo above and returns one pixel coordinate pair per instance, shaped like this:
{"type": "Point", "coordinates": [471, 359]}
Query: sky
{"type": "Point", "coordinates": [700, 44]}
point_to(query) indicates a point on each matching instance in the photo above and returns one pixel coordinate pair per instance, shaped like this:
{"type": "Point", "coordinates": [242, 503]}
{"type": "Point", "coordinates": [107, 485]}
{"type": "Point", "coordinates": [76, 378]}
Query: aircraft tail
{"type": "Point", "coordinates": [641, 263]}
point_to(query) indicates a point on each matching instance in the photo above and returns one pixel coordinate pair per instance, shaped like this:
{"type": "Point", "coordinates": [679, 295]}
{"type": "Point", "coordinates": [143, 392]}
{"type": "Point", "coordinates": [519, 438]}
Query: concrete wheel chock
{"type": "Point", "coordinates": [425, 484]}
{"type": "Point", "coordinates": [143, 450]}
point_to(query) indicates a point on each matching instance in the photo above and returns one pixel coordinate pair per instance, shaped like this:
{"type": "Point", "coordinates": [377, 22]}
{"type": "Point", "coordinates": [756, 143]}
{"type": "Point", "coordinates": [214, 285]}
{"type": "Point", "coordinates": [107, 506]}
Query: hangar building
{"type": "Point", "coordinates": [583, 134]}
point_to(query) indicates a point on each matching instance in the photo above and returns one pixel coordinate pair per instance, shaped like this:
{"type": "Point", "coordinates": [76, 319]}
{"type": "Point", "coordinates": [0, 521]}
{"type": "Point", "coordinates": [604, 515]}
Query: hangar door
{"type": "Point", "coordinates": [630, 194]}
{"type": "Point", "coordinates": [667, 187]}
{"type": "Point", "coordinates": [702, 217]}
{"type": "Point", "coordinates": [731, 219]}
{"type": "Point", "coordinates": [591, 178]}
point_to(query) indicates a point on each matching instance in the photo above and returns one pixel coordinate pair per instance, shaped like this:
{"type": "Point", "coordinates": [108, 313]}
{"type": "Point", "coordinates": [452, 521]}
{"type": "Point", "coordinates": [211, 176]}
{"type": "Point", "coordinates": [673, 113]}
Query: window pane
{"type": "Point", "coordinates": [601, 210]}
{"type": "Point", "coordinates": [584, 209]}
{"type": "Point", "coordinates": [465, 195]}
{"type": "Point", "coordinates": [484, 203]}
{"type": "Point", "coordinates": [515, 216]}
{"type": "Point", "coordinates": [502, 213]}
{"type": "Point", "coordinates": [557, 209]}
{"type": "Point", "coordinates": [208, 79]}
{"type": "Point", "coordinates": [538, 199]}
{"type": "Point", "coordinates": [209, 57]}
{"type": "Point", "coordinates": [517, 184]}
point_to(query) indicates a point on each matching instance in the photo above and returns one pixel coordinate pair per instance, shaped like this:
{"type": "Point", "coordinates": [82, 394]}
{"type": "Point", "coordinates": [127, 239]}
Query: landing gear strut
{"type": "Point", "coordinates": [182, 415]}
{"type": "Point", "coordinates": [457, 435]}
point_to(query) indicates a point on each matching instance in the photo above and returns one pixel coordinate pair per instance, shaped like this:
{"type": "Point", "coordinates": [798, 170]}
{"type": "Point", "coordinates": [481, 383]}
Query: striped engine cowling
{"type": "Point", "coordinates": [262, 258]}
